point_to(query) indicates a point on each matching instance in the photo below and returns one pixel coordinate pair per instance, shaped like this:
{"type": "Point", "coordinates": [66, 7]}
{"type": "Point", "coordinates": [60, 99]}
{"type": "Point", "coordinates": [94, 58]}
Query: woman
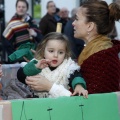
{"type": "Point", "coordinates": [100, 65]}
{"type": "Point", "coordinates": [21, 28]}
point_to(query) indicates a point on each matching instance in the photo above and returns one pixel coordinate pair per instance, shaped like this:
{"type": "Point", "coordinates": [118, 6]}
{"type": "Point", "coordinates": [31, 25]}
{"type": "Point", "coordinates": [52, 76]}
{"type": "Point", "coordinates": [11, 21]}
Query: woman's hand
{"type": "Point", "coordinates": [39, 83]}
{"type": "Point", "coordinates": [80, 90]}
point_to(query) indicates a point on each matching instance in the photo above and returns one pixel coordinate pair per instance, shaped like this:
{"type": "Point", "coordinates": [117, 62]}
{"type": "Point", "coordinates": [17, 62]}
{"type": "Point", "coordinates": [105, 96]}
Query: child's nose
{"type": "Point", "coordinates": [56, 54]}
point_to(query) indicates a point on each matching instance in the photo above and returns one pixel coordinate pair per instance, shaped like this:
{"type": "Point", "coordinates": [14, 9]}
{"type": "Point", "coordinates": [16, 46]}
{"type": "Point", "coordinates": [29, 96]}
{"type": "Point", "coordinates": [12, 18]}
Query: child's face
{"type": "Point", "coordinates": [55, 51]}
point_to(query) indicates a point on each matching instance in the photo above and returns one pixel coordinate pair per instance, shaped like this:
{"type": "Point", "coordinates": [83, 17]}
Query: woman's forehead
{"type": "Point", "coordinates": [81, 11]}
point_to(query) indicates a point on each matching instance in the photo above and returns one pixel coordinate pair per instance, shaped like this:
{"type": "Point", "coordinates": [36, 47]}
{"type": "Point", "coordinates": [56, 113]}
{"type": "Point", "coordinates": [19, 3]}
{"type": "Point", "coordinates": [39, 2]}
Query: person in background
{"type": "Point", "coordinates": [21, 28]}
{"type": "Point", "coordinates": [64, 15]}
{"type": "Point", "coordinates": [53, 61]}
{"type": "Point", "coordinates": [48, 23]}
{"type": "Point", "coordinates": [100, 65]}
{"type": "Point", "coordinates": [77, 45]}
{"type": "Point", "coordinates": [57, 15]}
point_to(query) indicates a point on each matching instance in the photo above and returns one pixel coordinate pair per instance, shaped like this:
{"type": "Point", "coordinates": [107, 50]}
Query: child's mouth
{"type": "Point", "coordinates": [54, 61]}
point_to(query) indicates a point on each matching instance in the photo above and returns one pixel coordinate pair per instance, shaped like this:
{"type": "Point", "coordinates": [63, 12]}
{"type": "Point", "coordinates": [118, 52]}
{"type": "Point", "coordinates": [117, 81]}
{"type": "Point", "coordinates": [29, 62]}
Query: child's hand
{"type": "Point", "coordinates": [42, 63]}
{"type": "Point", "coordinates": [80, 90]}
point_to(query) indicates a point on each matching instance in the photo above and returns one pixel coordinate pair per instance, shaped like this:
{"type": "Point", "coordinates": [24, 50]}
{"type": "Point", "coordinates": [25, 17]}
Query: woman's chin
{"type": "Point", "coordinates": [75, 35]}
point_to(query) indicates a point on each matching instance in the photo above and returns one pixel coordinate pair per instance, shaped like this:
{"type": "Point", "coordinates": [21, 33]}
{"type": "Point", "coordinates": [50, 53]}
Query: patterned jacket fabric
{"type": "Point", "coordinates": [101, 70]}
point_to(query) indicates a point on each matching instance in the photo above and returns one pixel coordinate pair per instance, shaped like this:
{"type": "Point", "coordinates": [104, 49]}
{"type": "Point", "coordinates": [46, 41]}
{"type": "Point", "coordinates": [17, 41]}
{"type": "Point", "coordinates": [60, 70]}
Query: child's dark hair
{"type": "Point", "coordinates": [52, 36]}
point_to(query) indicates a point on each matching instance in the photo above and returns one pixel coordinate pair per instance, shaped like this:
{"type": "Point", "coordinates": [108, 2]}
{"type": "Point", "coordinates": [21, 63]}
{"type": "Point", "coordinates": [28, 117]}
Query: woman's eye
{"type": "Point", "coordinates": [76, 18]}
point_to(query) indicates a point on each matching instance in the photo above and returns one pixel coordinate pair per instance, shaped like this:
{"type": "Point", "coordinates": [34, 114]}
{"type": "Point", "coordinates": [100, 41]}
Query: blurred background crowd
{"type": "Point", "coordinates": [45, 14]}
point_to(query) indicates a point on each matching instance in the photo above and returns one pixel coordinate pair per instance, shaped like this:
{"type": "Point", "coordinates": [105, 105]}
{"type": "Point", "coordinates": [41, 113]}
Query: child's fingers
{"type": "Point", "coordinates": [74, 93]}
{"type": "Point", "coordinates": [48, 61]}
{"type": "Point", "coordinates": [85, 94]}
{"type": "Point", "coordinates": [45, 61]}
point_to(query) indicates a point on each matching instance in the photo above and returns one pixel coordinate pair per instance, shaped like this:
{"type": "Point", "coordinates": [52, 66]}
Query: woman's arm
{"type": "Point", "coordinates": [40, 83]}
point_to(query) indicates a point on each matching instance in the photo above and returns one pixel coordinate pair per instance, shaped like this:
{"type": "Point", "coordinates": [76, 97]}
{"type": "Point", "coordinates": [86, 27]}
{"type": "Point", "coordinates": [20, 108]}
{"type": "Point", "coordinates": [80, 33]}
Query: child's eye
{"type": "Point", "coordinates": [61, 52]}
{"type": "Point", "coordinates": [50, 51]}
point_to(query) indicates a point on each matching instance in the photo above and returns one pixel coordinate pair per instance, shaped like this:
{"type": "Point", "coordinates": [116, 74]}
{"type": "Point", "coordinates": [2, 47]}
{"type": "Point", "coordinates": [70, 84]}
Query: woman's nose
{"type": "Point", "coordinates": [73, 23]}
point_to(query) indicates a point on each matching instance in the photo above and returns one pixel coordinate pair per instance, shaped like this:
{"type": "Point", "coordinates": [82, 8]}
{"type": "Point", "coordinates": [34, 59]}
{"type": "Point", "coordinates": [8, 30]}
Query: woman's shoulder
{"type": "Point", "coordinates": [104, 58]}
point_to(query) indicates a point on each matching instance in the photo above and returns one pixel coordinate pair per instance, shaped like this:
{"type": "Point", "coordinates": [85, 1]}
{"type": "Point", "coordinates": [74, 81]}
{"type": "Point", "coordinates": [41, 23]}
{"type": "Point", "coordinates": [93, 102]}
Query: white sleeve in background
{"type": "Point", "coordinates": [23, 64]}
{"type": "Point", "coordinates": [58, 90]}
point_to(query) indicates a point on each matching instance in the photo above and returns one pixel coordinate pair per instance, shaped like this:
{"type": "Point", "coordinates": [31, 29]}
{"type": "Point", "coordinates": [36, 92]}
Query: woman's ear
{"type": "Point", "coordinates": [91, 26]}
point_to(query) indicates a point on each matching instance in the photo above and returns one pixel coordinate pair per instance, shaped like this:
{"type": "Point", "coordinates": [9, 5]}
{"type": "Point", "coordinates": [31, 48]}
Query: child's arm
{"type": "Point", "coordinates": [80, 90]}
{"type": "Point", "coordinates": [78, 84]}
{"type": "Point", "coordinates": [35, 66]}
{"type": "Point", "coordinates": [32, 68]}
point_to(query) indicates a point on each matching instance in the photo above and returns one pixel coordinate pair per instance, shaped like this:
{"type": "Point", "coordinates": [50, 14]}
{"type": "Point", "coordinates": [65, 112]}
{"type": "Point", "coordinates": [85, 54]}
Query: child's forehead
{"type": "Point", "coordinates": [55, 41]}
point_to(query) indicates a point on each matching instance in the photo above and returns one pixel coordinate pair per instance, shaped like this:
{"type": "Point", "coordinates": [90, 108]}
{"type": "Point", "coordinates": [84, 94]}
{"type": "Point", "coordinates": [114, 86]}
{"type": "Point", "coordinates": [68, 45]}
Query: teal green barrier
{"type": "Point", "coordinates": [96, 107]}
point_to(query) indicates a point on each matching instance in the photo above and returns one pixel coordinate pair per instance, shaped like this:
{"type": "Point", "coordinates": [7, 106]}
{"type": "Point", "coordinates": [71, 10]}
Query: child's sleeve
{"type": "Point", "coordinates": [28, 70]}
{"type": "Point", "coordinates": [76, 79]}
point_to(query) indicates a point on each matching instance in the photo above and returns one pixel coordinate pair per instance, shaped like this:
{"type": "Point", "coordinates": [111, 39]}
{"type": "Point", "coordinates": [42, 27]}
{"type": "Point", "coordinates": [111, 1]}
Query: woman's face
{"type": "Point", "coordinates": [21, 8]}
{"type": "Point", "coordinates": [80, 24]}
